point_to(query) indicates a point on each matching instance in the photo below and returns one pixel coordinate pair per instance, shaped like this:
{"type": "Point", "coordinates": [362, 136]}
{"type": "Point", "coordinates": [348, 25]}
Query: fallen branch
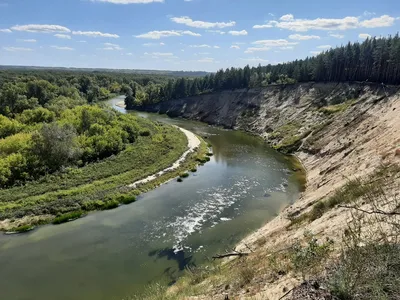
{"type": "Point", "coordinates": [240, 254]}
{"type": "Point", "coordinates": [379, 212]}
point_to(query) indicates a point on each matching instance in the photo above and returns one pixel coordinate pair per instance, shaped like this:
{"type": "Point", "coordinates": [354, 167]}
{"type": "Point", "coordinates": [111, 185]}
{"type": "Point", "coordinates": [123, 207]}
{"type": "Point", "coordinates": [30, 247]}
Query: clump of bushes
{"type": "Point", "coordinates": [193, 170]}
{"type": "Point", "coordinates": [23, 228]}
{"type": "Point", "coordinates": [110, 204]}
{"type": "Point", "coordinates": [179, 179]}
{"type": "Point", "coordinates": [68, 217]}
{"type": "Point", "coordinates": [184, 175]}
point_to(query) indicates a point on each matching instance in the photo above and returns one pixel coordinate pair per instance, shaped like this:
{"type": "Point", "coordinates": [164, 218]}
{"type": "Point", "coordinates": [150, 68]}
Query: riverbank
{"type": "Point", "coordinates": [159, 156]}
{"type": "Point", "coordinates": [335, 143]}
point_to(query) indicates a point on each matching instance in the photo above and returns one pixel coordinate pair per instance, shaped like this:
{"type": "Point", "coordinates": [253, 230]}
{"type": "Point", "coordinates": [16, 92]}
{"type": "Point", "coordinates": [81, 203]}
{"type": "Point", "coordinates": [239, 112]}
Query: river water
{"type": "Point", "coordinates": [114, 254]}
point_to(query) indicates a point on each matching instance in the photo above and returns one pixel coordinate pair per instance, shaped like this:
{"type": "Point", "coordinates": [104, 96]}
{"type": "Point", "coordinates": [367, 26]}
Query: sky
{"type": "Point", "coordinates": [202, 35]}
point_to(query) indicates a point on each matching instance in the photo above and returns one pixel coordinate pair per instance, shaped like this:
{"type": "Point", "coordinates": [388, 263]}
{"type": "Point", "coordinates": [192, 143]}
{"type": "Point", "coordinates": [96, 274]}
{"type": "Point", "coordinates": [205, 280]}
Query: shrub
{"type": "Point", "coordinates": [68, 217]}
{"type": "Point", "coordinates": [308, 259]}
{"type": "Point", "coordinates": [317, 211]}
{"type": "Point", "coordinates": [193, 170]}
{"type": "Point", "coordinates": [23, 228]}
{"type": "Point", "coordinates": [125, 199]}
{"type": "Point", "coordinates": [110, 204]}
{"type": "Point", "coordinates": [179, 179]}
{"type": "Point", "coordinates": [144, 132]}
{"type": "Point", "coordinates": [184, 175]}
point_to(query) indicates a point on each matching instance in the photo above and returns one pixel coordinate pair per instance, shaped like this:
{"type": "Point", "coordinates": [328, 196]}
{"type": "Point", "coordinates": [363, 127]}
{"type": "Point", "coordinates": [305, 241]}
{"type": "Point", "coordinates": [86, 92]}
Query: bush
{"type": "Point", "coordinates": [110, 204]}
{"type": "Point", "coordinates": [68, 217]}
{"type": "Point", "coordinates": [184, 175]}
{"type": "Point", "coordinates": [125, 199]}
{"type": "Point", "coordinates": [23, 228]}
{"type": "Point", "coordinates": [308, 259]}
{"type": "Point", "coordinates": [193, 170]}
{"type": "Point", "coordinates": [144, 132]}
{"type": "Point", "coordinates": [37, 115]}
{"type": "Point", "coordinates": [179, 179]}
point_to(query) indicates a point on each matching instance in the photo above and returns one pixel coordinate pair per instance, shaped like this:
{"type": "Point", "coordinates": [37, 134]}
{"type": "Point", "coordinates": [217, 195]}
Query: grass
{"type": "Point", "coordinates": [67, 217]}
{"type": "Point", "coordinates": [23, 228]}
{"type": "Point", "coordinates": [352, 191]}
{"type": "Point", "coordinates": [96, 181]}
{"type": "Point", "coordinates": [102, 185]}
{"type": "Point", "coordinates": [333, 109]}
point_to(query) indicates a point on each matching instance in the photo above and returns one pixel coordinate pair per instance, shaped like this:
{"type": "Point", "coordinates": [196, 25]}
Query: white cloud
{"type": "Point", "coordinates": [153, 44]}
{"type": "Point", "coordinates": [275, 43]}
{"type": "Point", "coordinates": [287, 18]}
{"type": "Point", "coordinates": [40, 28]}
{"type": "Point", "coordinates": [265, 45]}
{"type": "Point", "coordinates": [206, 60]}
{"type": "Point", "coordinates": [27, 40]}
{"type": "Point", "coordinates": [368, 13]}
{"type": "Point", "coordinates": [157, 55]}
{"type": "Point", "coordinates": [5, 30]}
{"type": "Point", "coordinates": [202, 24]}
{"type": "Point", "coordinates": [242, 32]}
{"type": "Point", "coordinates": [382, 21]}
{"type": "Point", "coordinates": [338, 36]}
{"type": "Point", "coordinates": [200, 46]}
{"type": "Point", "coordinates": [255, 59]}
{"type": "Point", "coordinates": [300, 37]}
{"type": "Point", "coordinates": [82, 42]}
{"type": "Point", "coordinates": [364, 36]}
{"type": "Point", "coordinates": [324, 47]}
{"type": "Point", "coordinates": [216, 47]}
{"type": "Point", "coordinates": [96, 34]}
{"type": "Point", "coordinates": [62, 48]}
{"type": "Point", "coordinates": [290, 23]}
{"type": "Point", "coordinates": [129, 53]}
{"type": "Point", "coordinates": [315, 52]}
{"type": "Point", "coordinates": [216, 31]}
{"type": "Point", "coordinates": [110, 46]}
{"type": "Point", "coordinates": [235, 47]}
{"type": "Point", "coordinates": [257, 49]}
{"type": "Point", "coordinates": [286, 48]}
{"type": "Point", "coordinates": [14, 49]}
{"type": "Point", "coordinates": [156, 35]}
{"type": "Point", "coordinates": [129, 1]}
{"type": "Point", "coordinates": [262, 26]}
{"type": "Point", "coordinates": [204, 53]}
{"type": "Point", "coordinates": [162, 54]}
{"type": "Point", "coordinates": [63, 36]}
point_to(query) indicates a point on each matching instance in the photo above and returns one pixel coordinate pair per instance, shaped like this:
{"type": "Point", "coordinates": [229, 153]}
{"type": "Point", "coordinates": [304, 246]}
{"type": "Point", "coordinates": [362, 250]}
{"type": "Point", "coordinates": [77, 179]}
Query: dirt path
{"type": "Point", "coordinates": [193, 144]}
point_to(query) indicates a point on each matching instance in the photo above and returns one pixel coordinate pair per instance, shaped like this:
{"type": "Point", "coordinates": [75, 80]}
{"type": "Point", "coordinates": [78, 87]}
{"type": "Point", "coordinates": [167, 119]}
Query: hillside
{"type": "Point", "coordinates": [347, 137]}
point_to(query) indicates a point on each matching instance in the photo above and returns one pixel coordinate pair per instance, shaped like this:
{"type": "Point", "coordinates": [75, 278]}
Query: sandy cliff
{"type": "Point", "coordinates": [338, 131]}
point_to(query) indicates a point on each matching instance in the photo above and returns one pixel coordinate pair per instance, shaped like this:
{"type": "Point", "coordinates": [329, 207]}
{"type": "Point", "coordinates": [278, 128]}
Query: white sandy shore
{"type": "Point", "coordinates": [193, 144]}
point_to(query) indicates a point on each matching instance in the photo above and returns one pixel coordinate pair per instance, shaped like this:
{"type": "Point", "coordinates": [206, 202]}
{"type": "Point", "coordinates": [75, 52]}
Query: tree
{"type": "Point", "coordinates": [55, 146]}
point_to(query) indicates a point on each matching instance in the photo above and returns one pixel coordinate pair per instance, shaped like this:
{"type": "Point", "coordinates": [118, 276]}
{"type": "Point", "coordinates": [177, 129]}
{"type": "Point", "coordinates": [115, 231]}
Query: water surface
{"type": "Point", "coordinates": [113, 254]}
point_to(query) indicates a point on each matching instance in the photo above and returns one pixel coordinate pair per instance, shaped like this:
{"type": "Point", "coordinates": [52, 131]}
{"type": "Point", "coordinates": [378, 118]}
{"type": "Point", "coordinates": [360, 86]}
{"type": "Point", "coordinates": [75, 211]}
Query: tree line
{"type": "Point", "coordinates": [374, 60]}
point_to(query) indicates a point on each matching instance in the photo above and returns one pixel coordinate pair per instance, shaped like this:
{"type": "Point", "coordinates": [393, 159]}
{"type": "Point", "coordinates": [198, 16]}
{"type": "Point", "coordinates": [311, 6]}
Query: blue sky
{"type": "Point", "coordinates": [182, 34]}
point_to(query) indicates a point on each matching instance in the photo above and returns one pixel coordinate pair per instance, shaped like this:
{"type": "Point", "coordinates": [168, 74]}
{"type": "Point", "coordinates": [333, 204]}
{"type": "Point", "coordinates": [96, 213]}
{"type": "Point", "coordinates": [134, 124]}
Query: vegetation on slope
{"type": "Point", "coordinates": [365, 265]}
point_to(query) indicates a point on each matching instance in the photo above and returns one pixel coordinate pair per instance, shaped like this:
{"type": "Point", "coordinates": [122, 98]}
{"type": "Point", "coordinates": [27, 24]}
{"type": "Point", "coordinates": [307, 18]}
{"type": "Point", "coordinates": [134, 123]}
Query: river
{"type": "Point", "coordinates": [114, 254]}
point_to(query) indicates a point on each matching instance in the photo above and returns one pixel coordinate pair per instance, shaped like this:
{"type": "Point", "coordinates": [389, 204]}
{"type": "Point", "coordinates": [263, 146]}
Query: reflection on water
{"type": "Point", "coordinates": [113, 254]}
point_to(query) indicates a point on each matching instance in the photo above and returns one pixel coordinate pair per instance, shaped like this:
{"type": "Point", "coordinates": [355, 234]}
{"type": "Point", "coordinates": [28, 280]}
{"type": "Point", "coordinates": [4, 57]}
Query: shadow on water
{"type": "Point", "coordinates": [180, 257]}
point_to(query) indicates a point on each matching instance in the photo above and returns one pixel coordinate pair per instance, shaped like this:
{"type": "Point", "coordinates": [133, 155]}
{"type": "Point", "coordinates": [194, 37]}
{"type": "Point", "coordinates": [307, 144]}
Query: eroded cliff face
{"type": "Point", "coordinates": [339, 132]}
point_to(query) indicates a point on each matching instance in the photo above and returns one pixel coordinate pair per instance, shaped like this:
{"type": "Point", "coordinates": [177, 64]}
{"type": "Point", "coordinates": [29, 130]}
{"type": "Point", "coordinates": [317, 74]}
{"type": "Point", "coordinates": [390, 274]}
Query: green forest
{"type": "Point", "coordinates": [64, 152]}
{"type": "Point", "coordinates": [375, 60]}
